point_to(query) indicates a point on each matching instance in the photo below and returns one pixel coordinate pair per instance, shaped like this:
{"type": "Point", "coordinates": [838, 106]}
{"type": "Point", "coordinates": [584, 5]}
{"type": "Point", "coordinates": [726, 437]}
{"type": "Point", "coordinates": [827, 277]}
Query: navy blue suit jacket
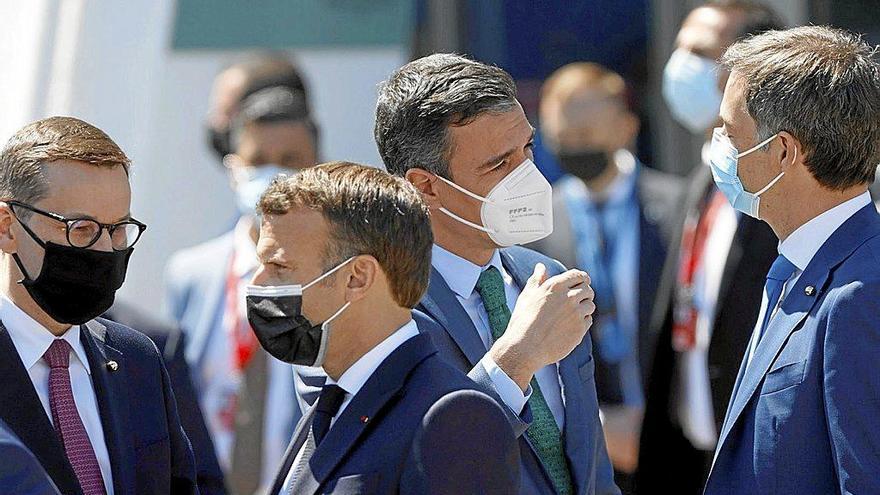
{"type": "Point", "coordinates": [171, 343]}
{"type": "Point", "coordinates": [149, 452]}
{"type": "Point", "coordinates": [20, 472]}
{"type": "Point", "coordinates": [417, 426]}
{"type": "Point", "coordinates": [803, 417]}
{"type": "Point", "coordinates": [459, 343]}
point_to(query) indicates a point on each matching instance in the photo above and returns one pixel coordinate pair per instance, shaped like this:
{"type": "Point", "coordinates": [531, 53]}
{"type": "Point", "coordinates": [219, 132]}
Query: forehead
{"type": "Point", "coordinates": [298, 236]}
{"type": "Point", "coordinates": [707, 31]}
{"type": "Point", "coordinates": [78, 188]}
{"type": "Point", "coordinates": [262, 137]}
{"type": "Point", "coordinates": [488, 135]}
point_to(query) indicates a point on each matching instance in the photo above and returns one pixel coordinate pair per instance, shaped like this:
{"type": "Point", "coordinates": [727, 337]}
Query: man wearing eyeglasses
{"type": "Point", "coordinates": [90, 398]}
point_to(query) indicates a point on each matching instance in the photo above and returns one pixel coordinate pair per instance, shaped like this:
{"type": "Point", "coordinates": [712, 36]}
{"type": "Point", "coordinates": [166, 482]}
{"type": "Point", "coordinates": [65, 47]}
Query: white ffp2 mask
{"type": "Point", "coordinates": [518, 210]}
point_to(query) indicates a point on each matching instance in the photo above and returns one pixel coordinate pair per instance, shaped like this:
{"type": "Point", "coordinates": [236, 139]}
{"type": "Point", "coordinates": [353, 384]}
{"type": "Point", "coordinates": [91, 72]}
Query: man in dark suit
{"type": "Point", "coordinates": [804, 408]}
{"type": "Point", "coordinates": [171, 343]}
{"type": "Point", "coordinates": [510, 317]}
{"type": "Point", "coordinates": [20, 472]}
{"type": "Point", "coordinates": [710, 289]}
{"type": "Point", "coordinates": [89, 397]}
{"type": "Point", "coordinates": [344, 255]}
{"type": "Point", "coordinates": [612, 217]}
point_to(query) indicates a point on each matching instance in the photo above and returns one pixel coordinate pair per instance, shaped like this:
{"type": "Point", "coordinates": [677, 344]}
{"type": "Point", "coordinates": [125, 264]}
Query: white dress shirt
{"type": "Point", "coordinates": [801, 246]}
{"type": "Point", "coordinates": [354, 379]}
{"type": "Point", "coordinates": [32, 340]}
{"type": "Point", "coordinates": [461, 276]}
{"type": "Point", "coordinates": [694, 407]}
{"type": "Point", "coordinates": [221, 381]}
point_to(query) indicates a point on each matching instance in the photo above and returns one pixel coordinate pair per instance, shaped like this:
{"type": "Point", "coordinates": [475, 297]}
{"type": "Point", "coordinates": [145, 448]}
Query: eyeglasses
{"type": "Point", "coordinates": [85, 232]}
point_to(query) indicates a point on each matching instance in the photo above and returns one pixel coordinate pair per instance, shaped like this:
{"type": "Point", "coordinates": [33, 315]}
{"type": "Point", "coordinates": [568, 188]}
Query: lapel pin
{"type": "Point", "coordinates": [809, 290]}
{"type": "Point", "coordinates": [112, 365]}
{"type": "Point", "coordinates": [365, 419]}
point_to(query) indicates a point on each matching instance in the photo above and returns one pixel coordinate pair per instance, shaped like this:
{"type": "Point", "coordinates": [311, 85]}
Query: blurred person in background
{"type": "Point", "coordinates": [89, 397]}
{"type": "Point", "coordinates": [20, 470]}
{"type": "Point", "coordinates": [613, 218]}
{"type": "Point", "coordinates": [246, 397]}
{"type": "Point", "coordinates": [710, 290]}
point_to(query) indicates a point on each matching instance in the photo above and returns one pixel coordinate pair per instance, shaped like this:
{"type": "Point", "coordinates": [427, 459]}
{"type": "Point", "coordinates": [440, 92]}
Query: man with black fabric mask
{"type": "Point", "coordinates": [611, 219]}
{"type": "Point", "coordinates": [90, 398]}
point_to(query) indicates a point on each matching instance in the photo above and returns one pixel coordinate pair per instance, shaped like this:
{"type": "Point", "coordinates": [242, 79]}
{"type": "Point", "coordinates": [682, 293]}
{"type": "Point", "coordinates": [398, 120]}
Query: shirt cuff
{"type": "Point", "coordinates": [507, 389]}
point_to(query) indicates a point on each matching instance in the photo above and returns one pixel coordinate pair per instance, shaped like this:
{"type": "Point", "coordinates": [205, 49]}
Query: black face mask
{"type": "Point", "coordinates": [219, 141]}
{"type": "Point", "coordinates": [275, 314]}
{"type": "Point", "coordinates": [283, 331]}
{"type": "Point", "coordinates": [75, 285]}
{"type": "Point", "coordinates": [587, 164]}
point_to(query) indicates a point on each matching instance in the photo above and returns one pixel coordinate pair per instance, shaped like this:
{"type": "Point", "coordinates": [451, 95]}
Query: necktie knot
{"type": "Point", "coordinates": [330, 400]}
{"type": "Point", "coordinates": [490, 286]}
{"type": "Point", "coordinates": [781, 270]}
{"type": "Point", "coordinates": [58, 354]}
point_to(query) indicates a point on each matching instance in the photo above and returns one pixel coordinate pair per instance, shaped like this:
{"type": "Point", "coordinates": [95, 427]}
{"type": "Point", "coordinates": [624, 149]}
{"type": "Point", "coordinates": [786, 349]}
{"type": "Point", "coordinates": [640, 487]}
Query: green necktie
{"type": "Point", "coordinates": [543, 432]}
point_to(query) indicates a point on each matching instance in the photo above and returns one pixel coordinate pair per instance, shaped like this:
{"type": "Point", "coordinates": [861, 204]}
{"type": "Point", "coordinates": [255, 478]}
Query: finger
{"type": "Point", "coordinates": [568, 279]}
{"type": "Point", "coordinates": [539, 275]}
{"type": "Point", "coordinates": [580, 294]}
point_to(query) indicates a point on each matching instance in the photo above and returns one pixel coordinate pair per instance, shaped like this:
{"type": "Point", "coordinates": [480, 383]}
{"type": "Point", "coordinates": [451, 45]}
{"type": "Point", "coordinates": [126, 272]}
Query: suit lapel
{"type": "Point", "coordinates": [381, 388]}
{"type": "Point", "coordinates": [22, 410]}
{"type": "Point", "coordinates": [440, 302]}
{"type": "Point", "coordinates": [112, 398]}
{"type": "Point", "coordinates": [797, 304]}
{"type": "Point", "coordinates": [296, 443]}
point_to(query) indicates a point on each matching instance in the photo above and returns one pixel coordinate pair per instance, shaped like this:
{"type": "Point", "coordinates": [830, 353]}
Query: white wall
{"type": "Point", "coordinates": [110, 63]}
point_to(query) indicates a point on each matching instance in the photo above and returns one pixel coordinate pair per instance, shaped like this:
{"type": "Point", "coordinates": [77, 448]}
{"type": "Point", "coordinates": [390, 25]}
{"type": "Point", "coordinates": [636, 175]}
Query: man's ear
{"type": "Point", "coordinates": [790, 152]}
{"type": "Point", "coordinates": [426, 183]}
{"type": "Point", "coordinates": [8, 242]}
{"type": "Point", "coordinates": [364, 270]}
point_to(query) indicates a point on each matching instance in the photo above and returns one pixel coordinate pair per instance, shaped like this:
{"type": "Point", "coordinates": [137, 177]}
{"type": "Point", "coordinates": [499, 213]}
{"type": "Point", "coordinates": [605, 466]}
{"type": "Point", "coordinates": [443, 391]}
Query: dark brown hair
{"type": "Point", "coordinates": [370, 212]}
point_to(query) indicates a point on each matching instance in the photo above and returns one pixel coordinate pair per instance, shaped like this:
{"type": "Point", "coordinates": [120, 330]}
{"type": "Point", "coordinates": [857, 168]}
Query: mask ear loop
{"type": "Point", "coordinates": [778, 177]}
{"type": "Point", "coordinates": [322, 277]}
{"type": "Point", "coordinates": [468, 193]}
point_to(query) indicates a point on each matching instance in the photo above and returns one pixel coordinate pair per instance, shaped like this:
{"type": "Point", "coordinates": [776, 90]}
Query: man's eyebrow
{"type": "Point", "coordinates": [491, 162]}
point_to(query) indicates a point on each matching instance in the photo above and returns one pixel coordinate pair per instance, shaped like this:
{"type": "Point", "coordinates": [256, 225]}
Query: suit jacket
{"type": "Point", "coordinates": [20, 472]}
{"type": "Point", "coordinates": [149, 452]}
{"type": "Point", "coordinates": [459, 343]}
{"type": "Point", "coordinates": [171, 343]}
{"type": "Point", "coordinates": [659, 196]}
{"type": "Point", "coordinates": [752, 251]}
{"type": "Point", "coordinates": [416, 426]}
{"type": "Point", "coordinates": [804, 414]}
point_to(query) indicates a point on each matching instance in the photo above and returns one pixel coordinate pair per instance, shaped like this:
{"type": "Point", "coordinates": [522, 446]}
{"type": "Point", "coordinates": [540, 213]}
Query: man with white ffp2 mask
{"type": "Point", "coordinates": [511, 318]}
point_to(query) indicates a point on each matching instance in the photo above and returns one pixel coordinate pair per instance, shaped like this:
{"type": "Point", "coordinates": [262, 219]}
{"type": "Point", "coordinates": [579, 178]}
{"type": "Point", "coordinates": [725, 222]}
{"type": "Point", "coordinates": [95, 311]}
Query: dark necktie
{"type": "Point", "coordinates": [543, 432]}
{"type": "Point", "coordinates": [327, 407]}
{"type": "Point", "coordinates": [779, 273]}
{"type": "Point", "coordinates": [68, 422]}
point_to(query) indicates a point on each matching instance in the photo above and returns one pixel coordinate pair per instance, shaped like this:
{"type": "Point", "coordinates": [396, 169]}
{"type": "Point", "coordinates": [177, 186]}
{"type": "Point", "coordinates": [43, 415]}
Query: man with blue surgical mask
{"type": "Point", "coordinates": [713, 276]}
{"type": "Point", "coordinates": [244, 395]}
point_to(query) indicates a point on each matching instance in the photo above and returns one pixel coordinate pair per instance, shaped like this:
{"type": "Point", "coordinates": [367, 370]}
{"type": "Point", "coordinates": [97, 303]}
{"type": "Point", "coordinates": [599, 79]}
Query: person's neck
{"type": "Point", "coordinates": [814, 204]}
{"type": "Point", "coordinates": [361, 333]}
{"type": "Point", "coordinates": [20, 297]}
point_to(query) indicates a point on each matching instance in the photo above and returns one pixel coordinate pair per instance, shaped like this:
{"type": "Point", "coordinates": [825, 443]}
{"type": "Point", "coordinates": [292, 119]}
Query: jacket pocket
{"type": "Point", "coordinates": [783, 377]}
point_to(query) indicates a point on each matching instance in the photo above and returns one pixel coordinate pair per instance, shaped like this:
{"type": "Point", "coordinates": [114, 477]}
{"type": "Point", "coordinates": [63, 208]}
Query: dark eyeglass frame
{"type": "Point", "coordinates": [110, 227]}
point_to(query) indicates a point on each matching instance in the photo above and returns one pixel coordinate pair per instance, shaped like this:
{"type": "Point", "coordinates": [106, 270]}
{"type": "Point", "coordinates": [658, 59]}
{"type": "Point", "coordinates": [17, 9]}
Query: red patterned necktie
{"type": "Point", "coordinates": [68, 423]}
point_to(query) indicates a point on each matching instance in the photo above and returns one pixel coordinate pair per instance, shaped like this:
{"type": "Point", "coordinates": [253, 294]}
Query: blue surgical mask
{"type": "Point", "coordinates": [690, 88]}
{"type": "Point", "coordinates": [723, 160]}
{"type": "Point", "coordinates": [249, 184]}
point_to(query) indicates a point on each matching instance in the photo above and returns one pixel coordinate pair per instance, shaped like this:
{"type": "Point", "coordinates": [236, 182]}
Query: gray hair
{"type": "Point", "coordinates": [419, 102]}
{"type": "Point", "coordinates": [822, 85]}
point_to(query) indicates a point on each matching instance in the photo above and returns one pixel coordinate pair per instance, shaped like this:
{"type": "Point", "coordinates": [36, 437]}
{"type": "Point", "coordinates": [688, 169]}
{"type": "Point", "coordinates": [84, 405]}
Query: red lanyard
{"type": "Point", "coordinates": [243, 339]}
{"type": "Point", "coordinates": [693, 245]}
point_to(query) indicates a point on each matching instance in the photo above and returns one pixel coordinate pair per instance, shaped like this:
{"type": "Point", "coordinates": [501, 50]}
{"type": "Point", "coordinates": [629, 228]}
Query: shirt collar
{"type": "Point", "coordinates": [245, 261]}
{"type": "Point", "coordinates": [358, 373]}
{"type": "Point", "coordinates": [32, 339]}
{"type": "Point", "coordinates": [802, 244]}
{"type": "Point", "coordinates": [460, 274]}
